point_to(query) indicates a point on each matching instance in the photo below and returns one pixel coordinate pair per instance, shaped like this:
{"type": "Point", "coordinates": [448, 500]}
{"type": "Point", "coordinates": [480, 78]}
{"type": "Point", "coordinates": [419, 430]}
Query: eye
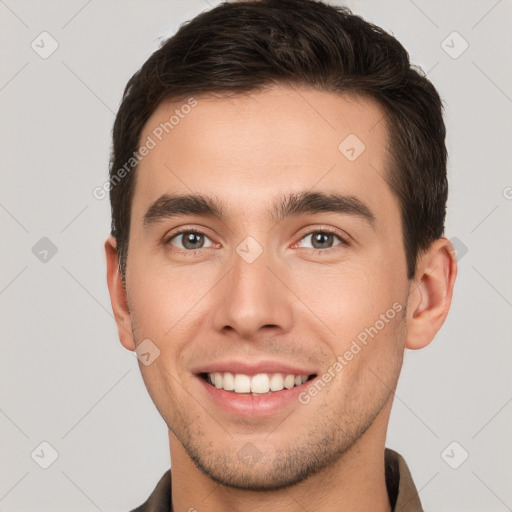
{"type": "Point", "coordinates": [189, 240]}
{"type": "Point", "coordinates": [322, 239]}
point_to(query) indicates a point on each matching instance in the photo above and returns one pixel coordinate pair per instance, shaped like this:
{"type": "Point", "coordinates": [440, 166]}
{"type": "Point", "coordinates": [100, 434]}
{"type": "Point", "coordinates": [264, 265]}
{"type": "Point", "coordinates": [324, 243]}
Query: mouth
{"type": "Point", "coordinates": [255, 385]}
{"type": "Point", "coordinates": [253, 388]}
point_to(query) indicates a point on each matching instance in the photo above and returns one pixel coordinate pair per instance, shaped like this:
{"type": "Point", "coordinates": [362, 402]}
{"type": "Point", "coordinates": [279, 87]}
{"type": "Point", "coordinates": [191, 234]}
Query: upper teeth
{"type": "Point", "coordinates": [259, 383]}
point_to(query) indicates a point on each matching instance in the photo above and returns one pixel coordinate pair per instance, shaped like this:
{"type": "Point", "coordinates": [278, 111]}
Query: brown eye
{"type": "Point", "coordinates": [322, 240]}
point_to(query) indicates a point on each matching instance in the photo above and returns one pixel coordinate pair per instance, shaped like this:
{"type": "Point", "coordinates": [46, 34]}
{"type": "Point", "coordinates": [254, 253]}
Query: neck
{"type": "Point", "coordinates": [355, 482]}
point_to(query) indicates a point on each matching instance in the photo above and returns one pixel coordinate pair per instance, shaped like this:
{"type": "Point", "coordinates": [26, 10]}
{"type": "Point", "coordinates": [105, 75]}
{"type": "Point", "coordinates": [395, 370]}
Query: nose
{"type": "Point", "coordinates": [253, 297]}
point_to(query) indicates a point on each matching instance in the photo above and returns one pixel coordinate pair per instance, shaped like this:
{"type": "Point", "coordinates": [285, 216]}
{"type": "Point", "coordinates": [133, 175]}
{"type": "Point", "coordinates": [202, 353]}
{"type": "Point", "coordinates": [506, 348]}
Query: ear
{"type": "Point", "coordinates": [430, 293]}
{"type": "Point", "coordinates": [118, 295]}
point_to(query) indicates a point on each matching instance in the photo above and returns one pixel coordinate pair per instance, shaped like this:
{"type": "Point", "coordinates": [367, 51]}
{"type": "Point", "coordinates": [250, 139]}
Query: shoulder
{"type": "Point", "coordinates": [160, 499]}
{"type": "Point", "coordinates": [402, 492]}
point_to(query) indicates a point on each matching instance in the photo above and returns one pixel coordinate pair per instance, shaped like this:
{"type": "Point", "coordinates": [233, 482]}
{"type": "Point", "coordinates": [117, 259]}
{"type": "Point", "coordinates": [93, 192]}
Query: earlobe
{"type": "Point", "coordinates": [431, 293]}
{"type": "Point", "coordinates": [118, 297]}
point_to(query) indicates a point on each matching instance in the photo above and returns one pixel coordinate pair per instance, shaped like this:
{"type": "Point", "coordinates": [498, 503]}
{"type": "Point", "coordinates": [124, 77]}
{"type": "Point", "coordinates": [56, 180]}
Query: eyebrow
{"type": "Point", "coordinates": [294, 204]}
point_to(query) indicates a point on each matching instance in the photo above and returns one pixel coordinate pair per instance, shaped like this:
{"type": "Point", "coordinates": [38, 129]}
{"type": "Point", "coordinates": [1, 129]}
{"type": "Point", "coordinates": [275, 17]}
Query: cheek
{"type": "Point", "coordinates": [360, 307]}
{"type": "Point", "coordinates": [164, 388]}
{"type": "Point", "coordinates": [162, 310]}
{"type": "Point", "coordinates": [347, 298]}
{"type": "Point", "coordinates": [372, 359]}
{"type": "Point", "coordinates": [163, 299]}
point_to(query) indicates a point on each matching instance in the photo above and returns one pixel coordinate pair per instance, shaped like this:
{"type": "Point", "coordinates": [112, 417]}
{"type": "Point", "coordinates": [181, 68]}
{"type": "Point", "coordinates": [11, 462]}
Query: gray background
{"type": "Point", "coordinates": [65, 378]}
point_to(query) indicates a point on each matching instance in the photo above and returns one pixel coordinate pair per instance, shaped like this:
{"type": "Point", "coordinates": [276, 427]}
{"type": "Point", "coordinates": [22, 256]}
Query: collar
{"type": "Point", "coordinates": [402, 492]}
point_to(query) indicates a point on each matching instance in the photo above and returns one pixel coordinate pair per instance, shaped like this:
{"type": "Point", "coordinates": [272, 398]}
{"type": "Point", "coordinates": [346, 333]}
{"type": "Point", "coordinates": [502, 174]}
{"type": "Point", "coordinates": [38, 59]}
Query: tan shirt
{"type": "Point", "coordinates": [402, 493]}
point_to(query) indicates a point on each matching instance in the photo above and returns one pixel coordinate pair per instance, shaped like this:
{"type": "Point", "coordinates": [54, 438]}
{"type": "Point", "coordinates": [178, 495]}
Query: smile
{"type": "Point", "coordinates": [259, 384]}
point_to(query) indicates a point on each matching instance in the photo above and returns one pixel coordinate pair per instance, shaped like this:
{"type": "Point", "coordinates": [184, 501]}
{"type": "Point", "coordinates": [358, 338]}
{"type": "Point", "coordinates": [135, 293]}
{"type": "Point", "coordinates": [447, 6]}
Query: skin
{"type": "Point", "coordinates": [291, 304]}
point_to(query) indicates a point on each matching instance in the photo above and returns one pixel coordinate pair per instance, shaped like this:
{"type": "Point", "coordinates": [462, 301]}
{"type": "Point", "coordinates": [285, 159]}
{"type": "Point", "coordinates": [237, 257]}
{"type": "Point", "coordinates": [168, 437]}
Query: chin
{"type": "Point", "coordinates": [261, 479]}
{"type": "Point", "coordinates": [250, 470]}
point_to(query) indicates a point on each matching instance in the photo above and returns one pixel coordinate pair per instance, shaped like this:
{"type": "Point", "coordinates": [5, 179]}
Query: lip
{"type": "Point", "coordinates": [252, 368]}
{"type": "Point", "coordinates": [246, 405]}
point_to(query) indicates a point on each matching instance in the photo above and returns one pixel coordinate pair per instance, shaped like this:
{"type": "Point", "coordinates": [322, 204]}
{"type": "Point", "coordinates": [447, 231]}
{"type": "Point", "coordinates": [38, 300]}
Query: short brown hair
{"type": "Point", "coordinates": [246, 46]}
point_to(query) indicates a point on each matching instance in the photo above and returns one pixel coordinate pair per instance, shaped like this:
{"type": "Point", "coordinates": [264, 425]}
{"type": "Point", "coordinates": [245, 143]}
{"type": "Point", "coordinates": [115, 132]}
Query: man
{"type": "Point", "coordinates": [278, 189]}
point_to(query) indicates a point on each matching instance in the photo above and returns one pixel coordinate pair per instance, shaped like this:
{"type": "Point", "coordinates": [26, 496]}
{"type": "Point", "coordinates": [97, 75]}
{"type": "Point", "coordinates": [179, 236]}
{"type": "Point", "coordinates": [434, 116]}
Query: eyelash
{"type": "Point", "coordinates": [184, 251]}
{"type": "Point", "coordinates": [343, 241]}
{"type": "Point", "coordinates": [194, 252]}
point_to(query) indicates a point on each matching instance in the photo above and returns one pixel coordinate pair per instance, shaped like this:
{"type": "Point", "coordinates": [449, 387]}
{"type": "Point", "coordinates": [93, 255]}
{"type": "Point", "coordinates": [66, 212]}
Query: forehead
{"type": "Point", "coordinates": [249, 148]}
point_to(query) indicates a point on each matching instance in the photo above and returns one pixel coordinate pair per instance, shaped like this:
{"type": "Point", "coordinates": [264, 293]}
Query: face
{"type": "Point", "coordinates": [283, 278]}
